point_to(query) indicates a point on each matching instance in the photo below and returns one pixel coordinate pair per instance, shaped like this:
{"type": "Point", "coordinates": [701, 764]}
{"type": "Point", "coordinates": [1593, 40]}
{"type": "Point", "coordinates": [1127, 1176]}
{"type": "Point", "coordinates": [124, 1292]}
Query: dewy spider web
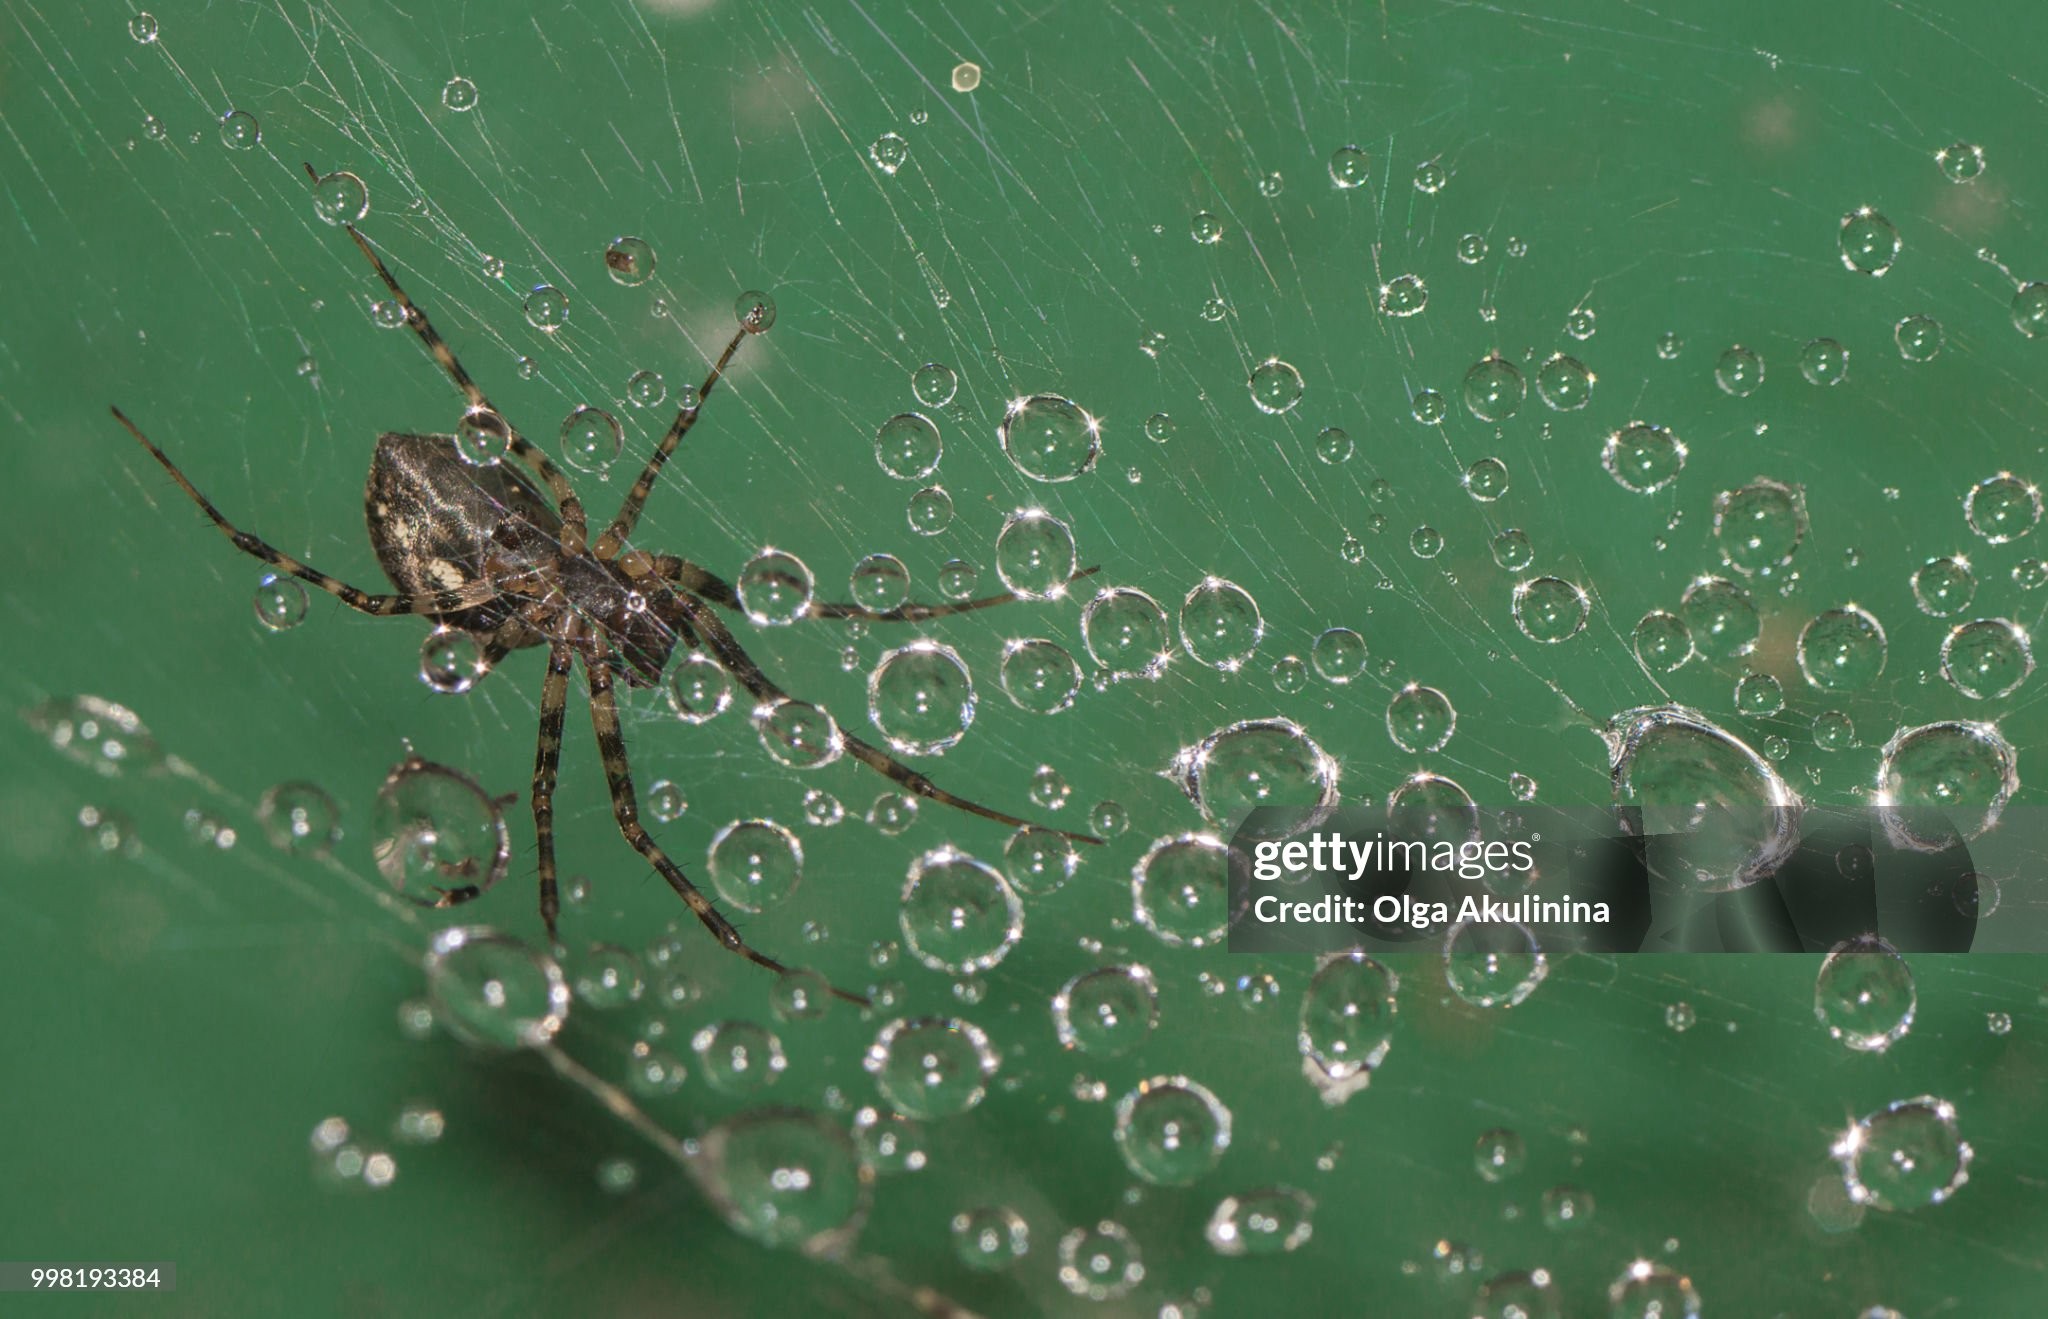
{"type": "Point", "coordinates": [1038, 232]}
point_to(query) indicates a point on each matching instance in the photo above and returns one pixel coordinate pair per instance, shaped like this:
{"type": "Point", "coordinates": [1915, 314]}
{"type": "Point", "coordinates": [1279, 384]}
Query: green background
{"type": "Point", "coordinates": [181, 1016]}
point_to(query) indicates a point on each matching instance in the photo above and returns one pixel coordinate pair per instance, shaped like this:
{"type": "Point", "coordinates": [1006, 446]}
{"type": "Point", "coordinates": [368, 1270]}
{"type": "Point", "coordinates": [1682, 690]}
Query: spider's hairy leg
{"type": "Point", "coordinates": [574, 524]}
{"type": "Point", "coordinates": [707, 585]}
{"type": "Point", "coordinates": [547, 760]}
{"type": "Point", "coordinates": [686, 416]}
{"type": "Point", "coordinates": [368, 602]}
{"type": "Point", "coordinates": [727, 651]}
{"type": "Point", "coordinates": [611, 746]}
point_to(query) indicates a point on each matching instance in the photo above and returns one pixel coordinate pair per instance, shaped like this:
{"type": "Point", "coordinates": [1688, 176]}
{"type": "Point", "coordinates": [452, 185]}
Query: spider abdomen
{"type": "Point", "coordinates": [434, 519]}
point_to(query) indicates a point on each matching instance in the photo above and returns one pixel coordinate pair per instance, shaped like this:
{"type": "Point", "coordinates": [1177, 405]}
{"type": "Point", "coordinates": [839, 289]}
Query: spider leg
{"type": "Point", "coordinates": [727, 651]}
{"type": "Point", "coordinates": [571, 508]}
{"type": "Point", "coordinates": [686, 417]}
{"type": "Point", "coordinates": [547, 760]}
{"type": "Point", "coordinates": [611, 746]}
{"type": "Point", "coordinates": [703, 583]}
{"type": "Point", "coordinates": [382, 606]}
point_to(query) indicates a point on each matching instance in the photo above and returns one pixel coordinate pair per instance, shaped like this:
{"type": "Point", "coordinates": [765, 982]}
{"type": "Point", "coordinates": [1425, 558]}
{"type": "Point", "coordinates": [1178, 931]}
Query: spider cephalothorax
{"type": "Point", "coordinates": [475, 544]}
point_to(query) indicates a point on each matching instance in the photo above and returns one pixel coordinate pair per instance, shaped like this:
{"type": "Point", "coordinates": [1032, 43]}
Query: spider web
{"type": "Point", "coordinates": [1684, 182]}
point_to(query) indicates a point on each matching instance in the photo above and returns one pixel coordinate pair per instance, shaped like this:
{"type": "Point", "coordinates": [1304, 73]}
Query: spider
{"type": "Point", "coordinates": [479, 548]}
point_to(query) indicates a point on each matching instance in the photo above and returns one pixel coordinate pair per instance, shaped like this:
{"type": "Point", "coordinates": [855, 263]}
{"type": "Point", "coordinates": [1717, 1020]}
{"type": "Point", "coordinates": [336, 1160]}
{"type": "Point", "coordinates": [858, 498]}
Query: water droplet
{"type": "Point", "coordinates": [1643, 458]}
{"type": "Point", "coordinates": [1998, 1023]}
{"type": "Point", "coordinates": [1670, 345]}
{"type": "Point", "coordinates": [143, 28]}
{"type": "Point", "coordinates": [1500, 1154]}
{"type": "Point", "coordinates": [1347, 1017]}
{"type": "Point", "coordinates": [1271, 185]}
{"type": "Point", "coordinates": [798, 734]}
{"type": "Point", "coordinates": [1100, 1263]}
{"type": "Point", "coordinates": [1106, 1012]}
{"type": "Point", "coordinates": [1254, 763]}
{"type": "Point", "coordinates": [990, 1238]}
{"type": "Point", "coordinates": [1493, 965]}
{"type": "Point", "coordinates": [436, 833]}
{"type": "Point", "coordinates": [1987, 659]}
{"type": "Point", "coordinates": [966, 76]}
{"type": "Point", "coordinates": [889, 151]}
{"type": "Point", "coordinates": [1206, 228]}
{"type": "Point", "coordinates": [892, 813]}
{"type": "Point", "coordinates": [1339, 655]}
{"type": "Point", "coordinates": [1486, 480]}
{"type": "Point", "coordinates": [1426, 542]}
{"type": "Point", "coordinates": [2002, 508]}
{"type": "Point", "coordinates": [1842, 649]}
{"type": "Point", "coordinates": [934, 385]}
{"type": "Point", "coordinates": [1039, 675]}
{"type": "Point", "coordinates": [699, 690]}
{"type": "Point", "coordinates": [1178, 890]}
{"type": "Point", "coordinates": [1941, 780]}
{"type": "Point", "coordinates": [1869, 242]}
{"type": "Point", "coordinates": [1919, 338]}
{"type": "Point", "coordinates": [2030, 309]}
{"type": "Point", "coordinates": [1864, 993]}
{"type": "Point", "coordinates": [931, 1067]}
{"type": "Point", "coordinates": [341, 198]}
{"type": "Point", "coordinates": [239, 130]}
{"type": "Point", "coordinates": [459, 94]}
{"type": "Point", "coordinates": [629, 260]}
{"type": "Point", "coordinates": [547, 308]}
{"type": "Point", "coordinates": [958, 914]}
{"type": "Point", "coordinates": [1723, 620]}
{"type": "Point", "coordinates": [1429, 407]}
{"type": "Point", "coordinates": [775, 588]}
{"type": "Point", "coordinates": [1580, 323]}
{"type": "Point", "coordinates": [1550, 609]}
{"type": "Point", "coordinates": [1402, 296]}
{"type": "Point", "coordinates": [1944, 586]}
{"type": "Point", "coordinates": [1220, 624]}
{"type": "Point", "coordinates": [1907, 1155]}
{"type": "Point", "coordinates": [1420, 719]}
{"type": "Point", "coordinates": [1049, 438]}
{"type": "Point", "coordinates": [1512, 550]}
{"type": "Point", "coordinates": [280, 602]}
{"type": "Point", "coordinates": [1564, 383]}
{"type": "Point", "coordinates": [592, 439]}
{"type": "Point", "coordinates": [299, 818]}
{"type": "Point", "coordinates": [1349, 168]}
{"type": "Point", "coordinates": [921, 698]}
{"type": "Point", "coordinates": [738, 1057]}
{"type": "Point", "coordinates": [1960, 161]}
{"type": "Point", "coordinates": [388, 314]}
{"type": "Point", "coordinates": [1648, 1290]}
{"type": "Point", "coordinates": [1719, 809]}
{"type": "Point", "coordinates": [1494, 389]}
{"type": "Point", "coordinates": [787, 1178]}
{"type": "Point", "coordinates": [1824, 362]}
{"type": "Point", "coordinates": [1739, 372]}
{"type": "Point", "coordinates": [1275, 386]}
{"type": "Point", "coordinates": [1662, 641]}
{"type": "Point", "coordinates": [1680, 1017]}
{"type": "Point", "coordinates": [1125, 631]}
{"type": "Point", "coordinates": [1430, 177]}
{"type": "Point", "coordinates": [610, 977]}
{"type": "Point", "coordinates": [754, 311]}
{"type": "Point", "coordinates": [1171, 1131]}
{"type": "Point", "coordinates": [1271, 1221]}
{"type": "Point", "coordinates": [1759, 527]}
{"type": "Point", "coordinates": [1035, 555]}
{"type": "Point", "coordinates": [755, 864]}
{"type": "Point", "coordinates": [492, 990]}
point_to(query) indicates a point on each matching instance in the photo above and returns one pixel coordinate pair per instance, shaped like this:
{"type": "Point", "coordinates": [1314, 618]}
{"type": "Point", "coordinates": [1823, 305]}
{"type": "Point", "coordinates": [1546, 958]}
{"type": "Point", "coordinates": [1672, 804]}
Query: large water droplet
{"type": "Point", "coordinates": [931, 1067]}
{"type": "Point", "coordinates": [1943, 780]}
{"type": "Point", "coordinates": [1864, 994]}
{"type": "Point", "coordinates": [1171, 1130]}
{"type": "Point", "coordinates": [1275, 386]}
{"type": "Point", "coordinates": [1987, 658]}
{"type": "Point", "coordinates": [1759, 527]}
{"type": "Point", "coordinates": [958, 914]}
{"type": "Point", "coordinates": [1049, 438]}
{"type": "Point", "coordinates": [1675, 772]}
{"type": "Point", "coordinates": [1254, 763]}
{"type": "Point", "coordinates": [1869, 242]}
{"type": "Point", "coordinates": [1179, 890]}
{"type": "Point", "coordinates": [787, 1178]}
{"type": "Point", "coordinates": [1907, 1155]}
{"type": "Point", "coordinates": [1842, 650]}
{"type": "Point", "coordinates": [921, 697]}
{"type": "Point", "coordinates": [755, 864]}
{"type": "Point", "coordinates": [1106, 1012]}
{"type": "Point", "coordinates": [490, 989]}
{"type": "Point", "coordinates": [1220, 624]}
{"type": "Point", "coordinates": [1125, 631]}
